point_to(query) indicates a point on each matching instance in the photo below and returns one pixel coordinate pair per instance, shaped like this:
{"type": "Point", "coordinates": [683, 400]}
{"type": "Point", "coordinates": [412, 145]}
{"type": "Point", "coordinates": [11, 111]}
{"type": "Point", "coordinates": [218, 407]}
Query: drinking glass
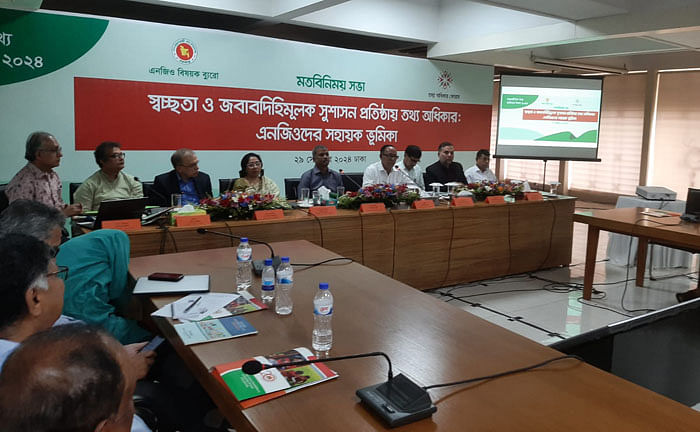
{"type": "Point", "coordinates": [316, 195]}
{"type": "Point", "coordinates": [340, 190]}
{"type": "Point", "coordinates": [176, 200]}
{"type": "Point", "coordinates": [304, 198]}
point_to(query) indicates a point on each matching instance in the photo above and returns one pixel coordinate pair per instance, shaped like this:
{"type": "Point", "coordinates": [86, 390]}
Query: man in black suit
{"type": "Point", "coordinates": [184, 179]}
{"type": "Point", "coordinates": [445, 170]}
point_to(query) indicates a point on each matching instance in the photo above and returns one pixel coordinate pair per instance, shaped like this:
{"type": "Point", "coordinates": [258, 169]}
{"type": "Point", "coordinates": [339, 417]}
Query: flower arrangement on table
{"type": "Point", "coordinates": [388, 194]}
{"type": "Point", "coordinates": [238, 206]}
{"type": "Point", "coordinates": [484, 189]}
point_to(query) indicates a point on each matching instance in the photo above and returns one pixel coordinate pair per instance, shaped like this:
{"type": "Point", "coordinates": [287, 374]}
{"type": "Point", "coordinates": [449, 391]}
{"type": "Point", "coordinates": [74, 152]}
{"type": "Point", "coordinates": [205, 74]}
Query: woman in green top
{"type": "Point", "coordinates": [252, 177]}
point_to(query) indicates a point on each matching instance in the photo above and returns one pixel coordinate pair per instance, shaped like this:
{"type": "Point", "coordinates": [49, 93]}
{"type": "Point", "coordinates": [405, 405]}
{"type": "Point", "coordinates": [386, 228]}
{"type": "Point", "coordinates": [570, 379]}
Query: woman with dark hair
{"type": "Point", "coordinates": [253, 179]}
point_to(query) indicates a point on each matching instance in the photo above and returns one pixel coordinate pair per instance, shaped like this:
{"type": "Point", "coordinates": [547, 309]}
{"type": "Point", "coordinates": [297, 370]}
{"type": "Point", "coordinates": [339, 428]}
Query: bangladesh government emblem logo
{"type": "Point", "coordinates": [445, 79]}
{"type": "Point", "coordinates": [184, 51]}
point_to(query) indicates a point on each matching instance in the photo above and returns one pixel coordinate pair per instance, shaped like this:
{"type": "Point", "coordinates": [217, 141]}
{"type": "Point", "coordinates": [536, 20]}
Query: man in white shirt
{"type": "Point", "coordinates": [409, 166]}
{"type": "Point", "coordinates": [383, 172]}
{"type": "Point", "coordinates": [481, 172]}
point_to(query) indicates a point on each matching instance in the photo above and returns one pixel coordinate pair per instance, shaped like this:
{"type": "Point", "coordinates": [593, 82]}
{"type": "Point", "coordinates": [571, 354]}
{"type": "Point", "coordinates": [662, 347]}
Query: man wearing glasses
{"type": "Point", "coordinates": [185, 179]}
{"type": "Point", "coordinates": [109, 182]}
{"type": "Point", "coordinates": [38, 181]}
{"type": "Point", "coordinates": [410, 167]}
{"type": "Point", "coordinates": [384, 171]}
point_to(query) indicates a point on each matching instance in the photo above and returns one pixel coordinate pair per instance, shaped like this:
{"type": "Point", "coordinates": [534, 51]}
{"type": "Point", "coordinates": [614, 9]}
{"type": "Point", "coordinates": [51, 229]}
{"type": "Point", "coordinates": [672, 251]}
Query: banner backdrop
{"type": "Point", "coordinates": [155, 88]}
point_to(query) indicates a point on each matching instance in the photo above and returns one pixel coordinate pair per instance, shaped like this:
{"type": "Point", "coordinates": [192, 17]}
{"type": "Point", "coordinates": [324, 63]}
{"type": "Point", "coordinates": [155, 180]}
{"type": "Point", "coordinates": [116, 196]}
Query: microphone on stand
{"type": "Point", "coordinates": [410, 180]}
{"type": "Point", "coordinates": [397, 401]}
{"type": "Point", "coordinates": [258, 265]}
{"type": "Point", "coordinates": [345, 176]}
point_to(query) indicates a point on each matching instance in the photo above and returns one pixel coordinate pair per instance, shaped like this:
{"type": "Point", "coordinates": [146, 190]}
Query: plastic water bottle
{"type": "Point", "coordinates": [285, 282]}
{"type": "Point", "coordinates": [244, 275]}
{"type": "Point", "coordinates": [322, 336]}
{"type": "Point", "coordinates": [268, 282]}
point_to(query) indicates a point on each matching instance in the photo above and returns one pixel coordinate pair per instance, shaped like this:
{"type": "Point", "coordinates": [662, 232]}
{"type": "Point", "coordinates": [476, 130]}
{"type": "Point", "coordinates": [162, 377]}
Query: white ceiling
{"type": "Point", "coordinates": [623, 34]}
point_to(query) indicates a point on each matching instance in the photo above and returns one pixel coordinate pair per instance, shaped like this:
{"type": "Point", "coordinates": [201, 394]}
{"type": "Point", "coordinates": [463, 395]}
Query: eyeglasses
{"type": "Point", "coordinates": [391, 156]}
{"type": "Point", "coordinates": [53, 251]}
{"type": "Point", "coordinates": [121, 155]}
{"type": "Point", "coordinates": [254, 164]}
{"type": "Point", "coordinates": [62, 272]}
{"type": "Point", "coordinates": [414, 160]}
{"type": "Point", "coordinates": [56, 150]}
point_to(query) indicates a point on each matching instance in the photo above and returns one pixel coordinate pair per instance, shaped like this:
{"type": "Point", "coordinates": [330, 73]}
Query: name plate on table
{"type": "Point", "coordinates": [323, 211]}
{"type": "Point", "coordinates": [268, 214]}
{"type": "Point", "coordinates": [192, 220]}
{"type": "Point", "coordinates": [462, 202]}
{"type": "Point", "coordinates": [373, 208]}
{"type": "Point", "coordinates": [495, 199]}
{"type": "Point", "coordinates": [423, 204]}
{"type": "Point", "coordinates": [533, 196]}
{"type": "Point", "coordinates": [123, 224]}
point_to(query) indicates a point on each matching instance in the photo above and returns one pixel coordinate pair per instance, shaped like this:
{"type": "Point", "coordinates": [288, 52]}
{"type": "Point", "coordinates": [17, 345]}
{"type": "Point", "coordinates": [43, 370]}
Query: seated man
{"type": "Point", "coordinates": [320, 174]}
{"type": "Point", "coordinates": [37, 180]}
{"type": "Point", "coordinates": [445, 170]}
{"type": "Point", "coordinates": [72, 378]}
{"type": "Point", "coordinates": [96, 288]}
{"type": "Point", "coordinates": [383, 172]}
{"type": "Point", "coordinates": [409, 166]}
{"type": "Point", "coordinates": [481, 171]}
{"type": "Point", "coordinates": [185, 179]}
{"type": "Point", "coordinates": [109, 182]}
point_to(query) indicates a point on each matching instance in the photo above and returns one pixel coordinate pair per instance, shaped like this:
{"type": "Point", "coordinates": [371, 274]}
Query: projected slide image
{"type": "Point", "coordinates": [549, 116]}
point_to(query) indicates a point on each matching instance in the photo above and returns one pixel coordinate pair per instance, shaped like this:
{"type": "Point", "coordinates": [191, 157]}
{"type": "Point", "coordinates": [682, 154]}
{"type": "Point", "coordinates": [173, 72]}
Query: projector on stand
{"type": "Point", "coordinates": [656, 193]}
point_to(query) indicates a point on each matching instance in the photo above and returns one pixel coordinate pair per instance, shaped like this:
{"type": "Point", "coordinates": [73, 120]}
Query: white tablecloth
{"type": "Point", "coordinates": [663, 257]}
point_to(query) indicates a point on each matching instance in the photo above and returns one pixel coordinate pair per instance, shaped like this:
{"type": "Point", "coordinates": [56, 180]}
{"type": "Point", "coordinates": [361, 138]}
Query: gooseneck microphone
{"type": "Point", "coordinates": [258, 265]}
{"type": "Point", "coordinates": [397, 401]}
{"type": "Point", "coordinates": [342, 173]}
{"type": "Point", "coordinates": [410, 180]}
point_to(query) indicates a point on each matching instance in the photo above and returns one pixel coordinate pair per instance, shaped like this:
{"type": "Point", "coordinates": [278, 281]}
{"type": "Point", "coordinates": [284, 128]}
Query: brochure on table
{"type": "Point", "coordinates": [251, 390]}
{"type": "Point", "coordinates": [214, 329]}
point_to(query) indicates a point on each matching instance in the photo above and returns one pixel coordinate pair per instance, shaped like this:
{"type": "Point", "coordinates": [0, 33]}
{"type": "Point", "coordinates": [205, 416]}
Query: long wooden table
{"type": "Point", "coordinates": [666, 231]}
{"type": "Point", "coordinates": [427, 339]}
{"type": "Point", "coordinates": [449, 245]}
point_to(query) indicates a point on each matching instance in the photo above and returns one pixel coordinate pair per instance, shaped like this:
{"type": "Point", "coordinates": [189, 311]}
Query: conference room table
{"type": "Point", "coordinates": [450, 245]}
{"type": "Point", "coordinates": [659, 257]}
{"type": "Point", "coordinates": [668, 231]}
{"type": "Point", "coordinates": [428, 340]}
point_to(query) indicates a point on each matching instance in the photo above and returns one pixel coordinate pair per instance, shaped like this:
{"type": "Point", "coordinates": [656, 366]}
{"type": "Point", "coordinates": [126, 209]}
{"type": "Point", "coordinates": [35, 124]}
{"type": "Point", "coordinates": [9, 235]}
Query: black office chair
{"type": "Point", "coordinates": [153, 197]}
{"type": "Point", "coordinates": [4, 201]}
{"type": "Point", "coordinates": [352, 181]}
{"type": "Point", "coordinates": [72, 187]}
{"type": "Point", "coordinates": [226, 184]}
{"type": "Point", "coordinates": [290, 188]}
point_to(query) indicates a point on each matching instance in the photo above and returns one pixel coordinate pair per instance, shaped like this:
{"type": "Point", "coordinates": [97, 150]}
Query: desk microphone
{"type": "Point", "coordinates": [397, 401]}
{"type": "Point", "coordinates": [342, 173]}
{"type": "Point", "coordinates": [410, 180]}
{"type": "Point", "coordinates": [258, 265]}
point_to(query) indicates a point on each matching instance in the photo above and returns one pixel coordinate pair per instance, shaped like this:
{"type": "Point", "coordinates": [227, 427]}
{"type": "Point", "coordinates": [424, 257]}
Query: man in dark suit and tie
{"type": "Point", "coordinates": [184, 179]}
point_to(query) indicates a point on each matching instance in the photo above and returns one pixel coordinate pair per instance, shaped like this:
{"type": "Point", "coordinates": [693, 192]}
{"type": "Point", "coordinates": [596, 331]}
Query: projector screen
{"type": "Point", "coordinates": [548, 118]}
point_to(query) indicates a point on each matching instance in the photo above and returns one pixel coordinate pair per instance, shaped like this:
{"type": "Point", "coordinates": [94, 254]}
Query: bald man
{"type": "Point", "coordinates": [74, 377]}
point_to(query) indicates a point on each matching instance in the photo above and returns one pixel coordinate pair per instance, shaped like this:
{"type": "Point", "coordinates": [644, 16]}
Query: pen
{"type": "Point", "coordinates": [193, 303]}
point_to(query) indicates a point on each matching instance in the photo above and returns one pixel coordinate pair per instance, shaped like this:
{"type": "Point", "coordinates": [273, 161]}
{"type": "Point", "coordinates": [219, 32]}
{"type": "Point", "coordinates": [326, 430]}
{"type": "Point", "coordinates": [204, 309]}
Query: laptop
{"type": "Point", "coordinates": [692, 206]}
{"type": "Point", "coordinates": [131, 208]}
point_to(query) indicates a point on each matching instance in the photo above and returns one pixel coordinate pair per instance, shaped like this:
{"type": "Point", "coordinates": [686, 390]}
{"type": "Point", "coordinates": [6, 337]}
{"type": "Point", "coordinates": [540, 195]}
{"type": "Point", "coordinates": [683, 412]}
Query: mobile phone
{"type": "Point", "coordinates": [167, 277]}
{"type": "Point", "coordinates": [153, 344]}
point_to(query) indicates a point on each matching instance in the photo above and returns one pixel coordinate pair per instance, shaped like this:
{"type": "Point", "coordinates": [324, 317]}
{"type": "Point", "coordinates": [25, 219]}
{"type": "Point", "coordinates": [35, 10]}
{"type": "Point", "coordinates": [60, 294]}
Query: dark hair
{"type": "Point", "coordinates": [179, 155]}
{"type": "Point", "coordinates": [482, 152]}
{"type": "Point", "coordinates": [65, 378]}
{"type": "Point", "coordinates": [103, 150]}
{"type": "Point", "coordinates": [413, 151]}
{"type": "Point", "coordinates": [31, 218]}
{"type": "Point", "coordinates": [244, 164]}
{"type": "Point", "coordinates": [317, 149]}
{"type": "Point", "coordinates": [385, 146]}
{"type": "Point", "coordinates": [444, 144]}
{"type": "Point", "coordinates": [34, 142]}
{"type": "Point", "coordinates": [23, 260]}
